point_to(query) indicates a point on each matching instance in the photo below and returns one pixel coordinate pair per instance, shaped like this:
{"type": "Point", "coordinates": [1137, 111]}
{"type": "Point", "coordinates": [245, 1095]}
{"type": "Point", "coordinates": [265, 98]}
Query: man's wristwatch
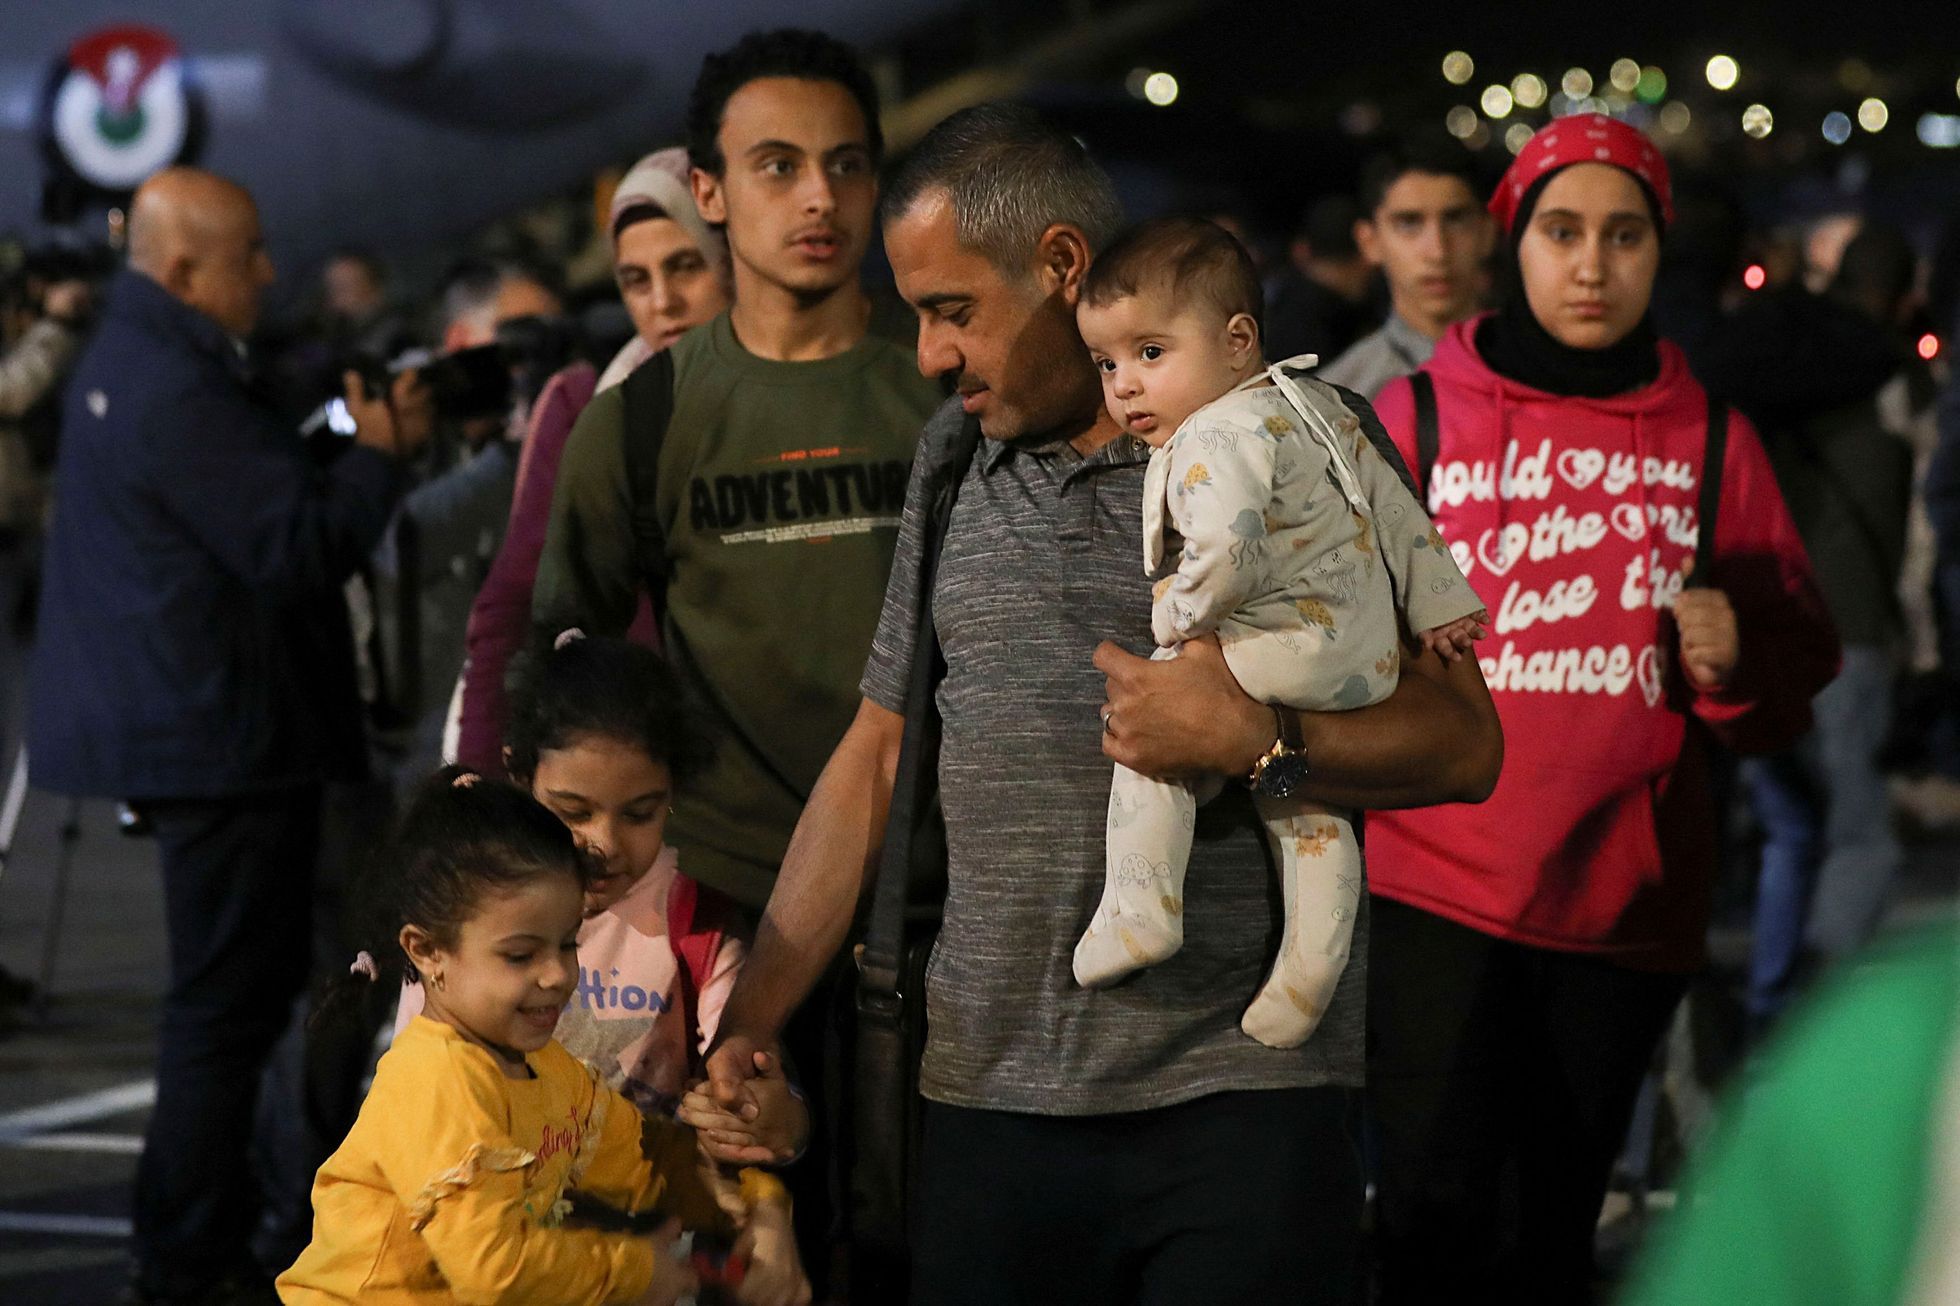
{"type": "Point", "coordinates": [1283, 768]}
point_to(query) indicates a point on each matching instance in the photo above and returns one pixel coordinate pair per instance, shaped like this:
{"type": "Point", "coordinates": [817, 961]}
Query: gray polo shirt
{"type": "Point", "coordinates": [1393, 350]}
{"type": "Point", "coordinates": [1043, 560]}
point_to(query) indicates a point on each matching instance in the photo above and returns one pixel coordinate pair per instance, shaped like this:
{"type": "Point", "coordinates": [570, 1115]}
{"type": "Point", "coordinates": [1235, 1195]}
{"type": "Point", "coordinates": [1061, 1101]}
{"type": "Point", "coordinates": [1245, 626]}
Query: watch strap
{"type": "Point", "coordinates": [1290, 737]}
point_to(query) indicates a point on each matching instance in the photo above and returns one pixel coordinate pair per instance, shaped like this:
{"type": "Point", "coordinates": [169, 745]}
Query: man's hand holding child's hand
{"type": "Point", "coordinates": [769, 1128]}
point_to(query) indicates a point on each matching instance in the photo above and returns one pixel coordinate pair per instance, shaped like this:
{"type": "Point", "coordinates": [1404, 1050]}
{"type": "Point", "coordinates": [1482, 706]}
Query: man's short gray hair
{"type": "Point", "coordinates": [1009, 175]}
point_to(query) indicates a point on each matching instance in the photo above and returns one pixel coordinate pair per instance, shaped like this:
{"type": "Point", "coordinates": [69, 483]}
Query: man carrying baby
{"type": "Point", "coordinates": [1127, 1144]}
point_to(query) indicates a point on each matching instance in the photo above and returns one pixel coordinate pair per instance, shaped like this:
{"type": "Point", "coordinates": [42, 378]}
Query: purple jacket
{"type": "Point", "coordinates": [500, 620]}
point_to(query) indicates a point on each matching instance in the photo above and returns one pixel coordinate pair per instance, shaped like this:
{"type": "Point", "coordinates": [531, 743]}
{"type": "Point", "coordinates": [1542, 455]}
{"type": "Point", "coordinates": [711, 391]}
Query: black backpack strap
{"type": "Point", "coordinates": [1714, 454]}
{"type": "Point", "coordinates": [917, 780]}
{"type": "Point", "coordinates": [648, 395]}
{"type": "Point", "coordinates": [1429, 436]}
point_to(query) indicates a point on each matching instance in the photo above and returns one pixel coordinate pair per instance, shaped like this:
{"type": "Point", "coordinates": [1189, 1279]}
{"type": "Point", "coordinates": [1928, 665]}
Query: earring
{"type": "Point", "coordinates": [435, 981]}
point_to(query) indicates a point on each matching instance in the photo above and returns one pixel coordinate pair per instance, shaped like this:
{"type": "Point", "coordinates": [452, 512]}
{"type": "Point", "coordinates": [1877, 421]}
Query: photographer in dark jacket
{"type": "Point", "coordinates": [1807, 369]}
{"type": "Point", "coordinates": [193, 657]}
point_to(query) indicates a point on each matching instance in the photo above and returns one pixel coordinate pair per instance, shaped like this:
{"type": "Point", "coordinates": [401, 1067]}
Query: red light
{"type": "Point", "coordinates": [1929, 346]}
{"type": "Point", "coordinates": [1754, 276]}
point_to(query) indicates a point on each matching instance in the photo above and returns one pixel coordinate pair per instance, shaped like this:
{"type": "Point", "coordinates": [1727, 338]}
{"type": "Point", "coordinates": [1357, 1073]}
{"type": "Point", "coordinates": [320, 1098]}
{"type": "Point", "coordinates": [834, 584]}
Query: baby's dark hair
{"type": "Point", "coordinates": [578, 687]}
{"type": "Point", "coordinates": [1185, 256]}
{"type": "Point", "coordinates": [462, 838]}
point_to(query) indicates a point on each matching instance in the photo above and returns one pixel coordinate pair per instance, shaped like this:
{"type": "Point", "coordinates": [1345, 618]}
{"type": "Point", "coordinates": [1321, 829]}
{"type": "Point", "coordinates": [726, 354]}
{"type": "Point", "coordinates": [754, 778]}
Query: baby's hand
{"type": "Point", "coordinates": [768, 1130]}
{"type": "Point", "coordinates": [1451, 642]}
{"type": "Point", "coordinates": [672, 1279]}
{"type": "Point", "coordinates": [775, 1275]}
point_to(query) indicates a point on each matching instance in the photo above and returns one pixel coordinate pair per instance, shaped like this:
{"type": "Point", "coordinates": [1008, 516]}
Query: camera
{"type": "Point", "coordinates": [27, 269]}
{"type": "Point", "coordinates": [466, 384]}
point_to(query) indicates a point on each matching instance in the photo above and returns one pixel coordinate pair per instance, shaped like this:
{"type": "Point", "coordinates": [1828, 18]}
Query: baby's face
{"type": "Point", "coordinates": [1159, 361]}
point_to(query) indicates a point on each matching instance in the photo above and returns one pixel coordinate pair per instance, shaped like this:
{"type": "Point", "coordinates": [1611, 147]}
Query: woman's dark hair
{"type": "Point", "coordinates": [635, 214]}
{"type": "Point", "coordinates": [604, 688]}
{"type": "Point", "coordinates": [462, 838]}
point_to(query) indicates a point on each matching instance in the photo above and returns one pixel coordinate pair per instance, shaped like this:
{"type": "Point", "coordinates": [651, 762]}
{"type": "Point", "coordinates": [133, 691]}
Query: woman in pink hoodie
{"type": "Point", "coordinates": [1529, 951]}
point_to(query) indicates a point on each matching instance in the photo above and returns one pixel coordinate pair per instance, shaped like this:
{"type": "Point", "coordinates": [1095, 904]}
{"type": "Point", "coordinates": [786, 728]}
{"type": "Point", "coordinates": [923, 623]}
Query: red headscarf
{"type": "Point", "coordinates": [1583, 138]}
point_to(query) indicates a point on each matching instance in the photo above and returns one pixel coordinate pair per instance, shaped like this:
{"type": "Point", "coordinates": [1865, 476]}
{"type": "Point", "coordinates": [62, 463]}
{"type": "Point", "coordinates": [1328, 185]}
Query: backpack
{"type": "Point", "coordinates": [695, 943]}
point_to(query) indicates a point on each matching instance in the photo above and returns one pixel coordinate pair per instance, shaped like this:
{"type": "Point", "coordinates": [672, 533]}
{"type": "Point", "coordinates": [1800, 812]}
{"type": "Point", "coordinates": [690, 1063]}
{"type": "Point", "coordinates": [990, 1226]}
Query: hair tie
{"type": "Point", "coordinates": [364, 966]}
{"type": "Point", "coordinates": [569, 635]}
{"type": "Point", "coordinates": [465, 780]}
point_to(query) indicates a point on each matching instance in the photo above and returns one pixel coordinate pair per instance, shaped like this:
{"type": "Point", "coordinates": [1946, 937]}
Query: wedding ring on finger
{"type": "Point", "coordinates": [1108, 714]}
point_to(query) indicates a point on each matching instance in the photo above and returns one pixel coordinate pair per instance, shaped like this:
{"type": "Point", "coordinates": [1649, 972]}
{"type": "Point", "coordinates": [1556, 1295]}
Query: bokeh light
{"type": "Point", "coordinates": [1755, 276]}
{"type": "Point", "coordinates": [1517, 136]}
{"type": "Point", "coordinates": [1625, 75]}
{"type": "Point", "coordinates": [1652, 86]}
{"type": "Point", "coordinates": [1723, 72]}
{"type": "Point", "coordinates": [1577, 83]}
{"type": "Point", "coordinates": [1758, 121]}
{"type": "Point", "coordinates": [1496, 101]}
{"type": "Point", "coordinates": [1837, 127]}
{"type": "Point", "coordinates": [1939, 131]}
{"type": "Point", "coordinates": [1929, 346]}
{"type": "Point", "coordinates": [1528, 89]}
{"type": "Point", "coordinates": [1873, 115]}
{"type": "Point", "coordinates": [1461, 121]}
{"type": "Point", "coordinates": [1458, 67]}
{"type": "Point", "coordinates": [1160, 89]}
{"type": "Point", "coordinates": [1675, 117]}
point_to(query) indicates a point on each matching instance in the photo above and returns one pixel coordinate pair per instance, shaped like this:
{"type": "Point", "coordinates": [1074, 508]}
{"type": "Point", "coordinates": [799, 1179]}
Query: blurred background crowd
{"type": "Point", "coordinates": [465, 220]}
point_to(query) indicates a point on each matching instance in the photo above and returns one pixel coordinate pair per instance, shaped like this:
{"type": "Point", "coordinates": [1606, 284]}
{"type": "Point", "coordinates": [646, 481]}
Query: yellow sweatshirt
{"type": "Point", "coordinates": [451, 1186]}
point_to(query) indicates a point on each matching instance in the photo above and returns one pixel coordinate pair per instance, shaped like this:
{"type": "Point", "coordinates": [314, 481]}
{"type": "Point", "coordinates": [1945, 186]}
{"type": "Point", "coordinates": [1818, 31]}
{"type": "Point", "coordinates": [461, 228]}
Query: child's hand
{"type": "Point", "coordinates": [1711, 644]}
{"type": "Point", "coordinates": [775, 1275]}
{"type": "Point", "coordinates": [768, 1130]}
{"type": "Point", "coordinates": [1451, 642]}
{"type": "Point", "coordinates": [672, 1279]}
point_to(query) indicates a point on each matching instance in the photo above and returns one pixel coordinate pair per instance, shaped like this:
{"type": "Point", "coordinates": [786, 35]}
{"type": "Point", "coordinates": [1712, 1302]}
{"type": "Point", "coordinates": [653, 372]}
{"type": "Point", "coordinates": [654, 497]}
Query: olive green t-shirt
{"type": "Point", "coordinates": [779, 490]}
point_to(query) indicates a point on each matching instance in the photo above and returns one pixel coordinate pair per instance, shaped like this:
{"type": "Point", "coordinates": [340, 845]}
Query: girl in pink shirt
{"type": "Point", "coordinates": [598, 733]}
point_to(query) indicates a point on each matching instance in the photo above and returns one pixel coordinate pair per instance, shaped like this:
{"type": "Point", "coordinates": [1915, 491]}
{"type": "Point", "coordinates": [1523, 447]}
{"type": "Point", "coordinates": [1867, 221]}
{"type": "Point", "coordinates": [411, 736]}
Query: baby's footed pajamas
{"type": "Point", "coordinates": [1304, 552]}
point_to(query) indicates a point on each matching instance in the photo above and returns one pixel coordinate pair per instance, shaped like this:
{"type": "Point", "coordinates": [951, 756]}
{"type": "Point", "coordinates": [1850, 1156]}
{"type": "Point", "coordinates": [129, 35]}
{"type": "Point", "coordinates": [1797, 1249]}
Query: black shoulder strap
{"type": "Point", "coordinates": [1428, 431]}
{"type": "Point", "coordinates": [648, 395]}
{"type": "Point", "coordinates": [1714, 454]}
{"type": "Point", "coordinates": [900, 864]}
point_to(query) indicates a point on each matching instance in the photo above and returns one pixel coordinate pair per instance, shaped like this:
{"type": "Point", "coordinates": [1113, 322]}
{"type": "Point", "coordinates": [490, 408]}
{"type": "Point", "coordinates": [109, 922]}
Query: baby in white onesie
{"type": "Point", "coordinates": [1296, 544]}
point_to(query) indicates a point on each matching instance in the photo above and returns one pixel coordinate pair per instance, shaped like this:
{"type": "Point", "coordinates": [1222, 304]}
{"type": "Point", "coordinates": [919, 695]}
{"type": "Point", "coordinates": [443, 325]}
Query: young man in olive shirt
{"type": "Point", "coordinates": [780, 483]}
{"type": "Point", "coordinates": [783, 469]}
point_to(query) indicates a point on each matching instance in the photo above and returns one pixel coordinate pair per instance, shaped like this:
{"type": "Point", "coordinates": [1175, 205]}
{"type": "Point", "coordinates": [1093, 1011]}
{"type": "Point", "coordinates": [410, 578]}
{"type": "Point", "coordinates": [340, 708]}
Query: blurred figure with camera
{"type": "Point", "coordinates": [192, 657]}
{"type": "Point", "coordinates": [41, 324]}
{"type": "Point", "coordinates": [435, 555]}
{"type": "Point", "coordinates": [40, 329]}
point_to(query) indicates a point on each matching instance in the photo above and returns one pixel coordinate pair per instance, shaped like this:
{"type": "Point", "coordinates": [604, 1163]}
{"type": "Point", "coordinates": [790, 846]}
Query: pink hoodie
{"type": "Point", "coordinates": [1573, 519]}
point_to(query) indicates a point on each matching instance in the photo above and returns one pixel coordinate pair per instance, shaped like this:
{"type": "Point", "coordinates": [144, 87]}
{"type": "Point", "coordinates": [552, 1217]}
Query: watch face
{"type": "Point", "coordinates": [1283, 775]}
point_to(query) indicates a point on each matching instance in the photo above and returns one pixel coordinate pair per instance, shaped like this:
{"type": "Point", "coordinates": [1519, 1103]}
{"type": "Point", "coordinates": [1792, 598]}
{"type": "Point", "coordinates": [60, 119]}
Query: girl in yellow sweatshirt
{"type": "Point", "coordinates": [483, 1143]}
